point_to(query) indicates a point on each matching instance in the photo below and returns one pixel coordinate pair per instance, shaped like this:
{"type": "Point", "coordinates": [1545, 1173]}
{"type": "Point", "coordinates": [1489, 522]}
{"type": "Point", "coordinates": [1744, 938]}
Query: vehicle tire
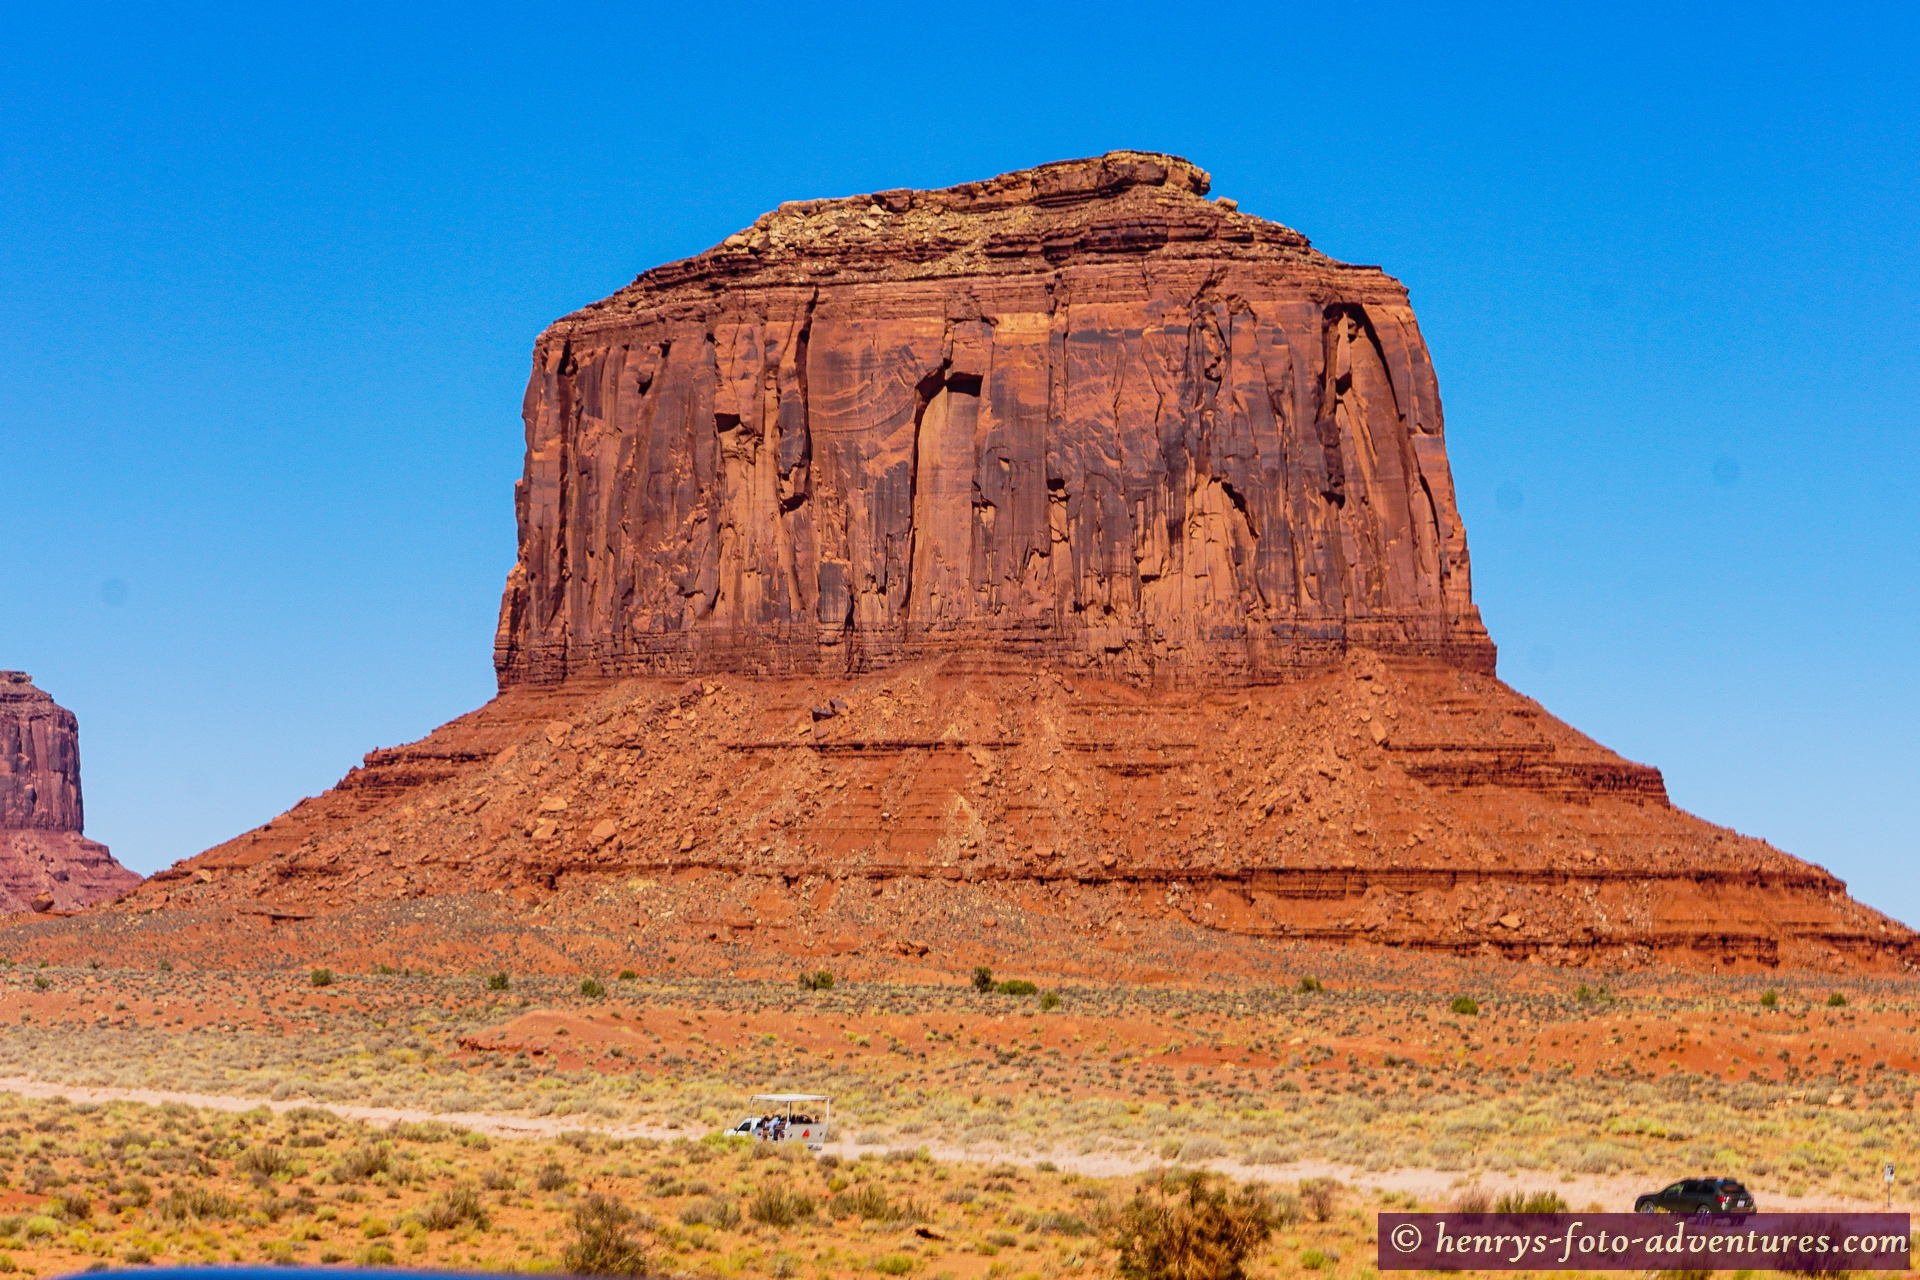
{"type": "Point", "coordinates": [1646, 1208]}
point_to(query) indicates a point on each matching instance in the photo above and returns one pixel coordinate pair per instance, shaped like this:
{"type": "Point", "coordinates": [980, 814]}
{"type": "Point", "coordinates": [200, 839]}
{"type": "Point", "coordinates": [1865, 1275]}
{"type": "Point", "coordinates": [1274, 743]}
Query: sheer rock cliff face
{"type": "Point", "coordinates": [45, 863]}
{"type": "Point", "coordinates": [1080, 413]}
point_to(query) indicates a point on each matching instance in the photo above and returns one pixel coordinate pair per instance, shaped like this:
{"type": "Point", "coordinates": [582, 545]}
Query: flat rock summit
{"type": "Point", "coordinates": [1059, 572]}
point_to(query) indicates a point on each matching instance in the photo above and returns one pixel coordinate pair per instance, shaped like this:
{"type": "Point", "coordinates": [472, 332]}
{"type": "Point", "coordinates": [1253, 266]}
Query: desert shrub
{"type": "Point", "coordinates": [1318, 1196]}
{"type": "Point", "coordinates": [1016, 987]}
{"type": "Point", "coordinates": [377, 1254]}
{"type": "Point", "coordinates": [628, 975]}
{"type": "Point", "coordinates": [1770, 1000]}
{"type": "Point", "coordinates": [602, 1243]}
{"type": "Point", "coordinates": [1473, 1200]}
{"type": "Point", "coordinates": [893, 1264]}
{"type": "Point", "coordinates": [1059, 1224]}
{"type": "Point", "coordinates": [39, 1226]}
{"type": "Point", "coordinates": [166, 966]}
{"type": "Point", "coordinates": [360, 1164]}
{"type": "Point", "coordinates": [819, 980]}
{"type": "Point", "coordinates": [197, 1202]}
{"type": "Point", "coordinates": [385, 970]}
{"type": "Point", "coordinates": [1051, 1000]}
{"type": "Point", "coordinates": [497, 1180]}
{"type": "Point", "coordinates": [1313, 1260]}
{"type": "Point", "coordinates": [498, 981]}
{"type": "Point", "coordinates": [1465, 1005]}
{"type": "Point", "coordinates": [982, 979]}
{"type": "Point", "coordinates": [870, 1202]}
{"type": "Point", "coordinates": [552, 1178]}
{"type": "Point", "coordinates": [264, 1160]}
{"type": "Point", "coordinates": [1308, 986]}
{"type": "Point", "coordinates": [715, 1211]}
{"type": "Point", "coordinates": [1530, 1202]}
{"type": "Point", "coordinates": [1202, 1147]}
{"type": "Point", "coordinates": [452, 1208]}
{"type": "Point", "coordinates": [1188, 1227]}
{"type": "Point", "coordinates": [71, 1206]}
{"type": "Point", "coordinates": [591, 988]}
{"type": "Point", "coordinates": [321, 977]}
{"type": "Point", "coordinates": [780, 1206]}
{"type": "Point", "coordinates": [1836, 1001]}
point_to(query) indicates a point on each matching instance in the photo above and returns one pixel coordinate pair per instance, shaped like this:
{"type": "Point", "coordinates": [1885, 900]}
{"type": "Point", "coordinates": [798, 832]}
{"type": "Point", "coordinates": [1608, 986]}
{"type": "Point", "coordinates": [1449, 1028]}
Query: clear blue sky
{"type": "Point", "coordinates": [269, 280]}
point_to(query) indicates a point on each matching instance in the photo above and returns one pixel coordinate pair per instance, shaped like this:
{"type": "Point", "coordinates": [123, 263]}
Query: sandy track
{"type": "Point", "coordinates": [1430, 1186]}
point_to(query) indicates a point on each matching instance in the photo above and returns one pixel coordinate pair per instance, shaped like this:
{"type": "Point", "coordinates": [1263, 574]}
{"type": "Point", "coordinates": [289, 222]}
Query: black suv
{"type": "Point", "coordinates": [1698, 1195]}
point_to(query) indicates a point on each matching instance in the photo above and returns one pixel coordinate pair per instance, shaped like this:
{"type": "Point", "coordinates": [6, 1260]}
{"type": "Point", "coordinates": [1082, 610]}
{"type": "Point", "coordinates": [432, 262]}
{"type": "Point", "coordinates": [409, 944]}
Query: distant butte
{"type": "Point", "coordinates": [45, 863]}
{"type": "Point", "coordinates": [1061, 571]}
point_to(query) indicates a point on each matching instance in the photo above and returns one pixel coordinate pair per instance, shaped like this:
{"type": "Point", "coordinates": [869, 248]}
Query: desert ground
{"type": "Point", "coordinates": [458, 1120]}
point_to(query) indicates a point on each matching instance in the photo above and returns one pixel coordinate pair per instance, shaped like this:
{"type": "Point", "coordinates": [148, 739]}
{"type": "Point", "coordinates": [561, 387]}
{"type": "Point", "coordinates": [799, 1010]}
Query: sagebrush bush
{"type": "Point", "coordinates": [870, 1202]}
{"type": "Point", "coordinates": [1530, 1202]}
{"type": "Point", "coordinates": [1188, 1227]}
{"type": "Point", "coordinates": [197, 1202]}
{"type": "Point", "coordinates": [780, 1206]}
{"type": "Point", "coordinates": [361, 1163]}
{"type": "Point", "coordinates": [602, 1243]}
{"type": "Point", "coordinates": [452, 1208]}
{"type": "Point", "coordinates": [264, 1160]}
{"type": "Point", "coordinates": [1473, 1200]}
{"type": "Point", "coordinates": [1319, 1197]}
{"type": "Point", "coordinates": [716, 1211]}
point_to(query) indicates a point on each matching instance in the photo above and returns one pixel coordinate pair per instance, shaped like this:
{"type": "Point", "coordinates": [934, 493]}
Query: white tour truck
{"type": "Point", "coordinates": [787, 1117]}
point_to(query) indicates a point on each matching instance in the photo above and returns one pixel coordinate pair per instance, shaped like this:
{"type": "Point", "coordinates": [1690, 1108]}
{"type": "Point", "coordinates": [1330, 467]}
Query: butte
{"type": "Point", "coordinates": [1061, 571]}
{"type": "Point", "coordinates": [46, 864]}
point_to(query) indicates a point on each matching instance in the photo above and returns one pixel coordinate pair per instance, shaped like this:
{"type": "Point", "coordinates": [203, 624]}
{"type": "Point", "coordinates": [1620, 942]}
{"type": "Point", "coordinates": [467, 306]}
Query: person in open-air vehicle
{"type": "Point", "coordinates": [782, 1120]}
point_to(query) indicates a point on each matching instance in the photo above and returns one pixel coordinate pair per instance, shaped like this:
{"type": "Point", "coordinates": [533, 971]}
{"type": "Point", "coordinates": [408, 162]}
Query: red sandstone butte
{"type": "Point", "coordinates": [1080, 414]}
{"type": "Point", "coordinates": [45, 863]}
{"type": "Point", "coordinates": [1059, 572]}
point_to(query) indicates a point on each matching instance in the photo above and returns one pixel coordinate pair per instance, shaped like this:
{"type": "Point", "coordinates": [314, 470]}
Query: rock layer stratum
{"type": "Point", "coordinates": [1079, 413]}
{"type": "Point", "coordinates": [1061, 572]}
{"type": "Point", "coordinates": [45, 863]}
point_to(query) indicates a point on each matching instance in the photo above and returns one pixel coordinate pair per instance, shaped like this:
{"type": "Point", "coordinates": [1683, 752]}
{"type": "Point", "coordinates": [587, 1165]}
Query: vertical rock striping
{"type": "Point", "coordinates": [1079, 413]}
